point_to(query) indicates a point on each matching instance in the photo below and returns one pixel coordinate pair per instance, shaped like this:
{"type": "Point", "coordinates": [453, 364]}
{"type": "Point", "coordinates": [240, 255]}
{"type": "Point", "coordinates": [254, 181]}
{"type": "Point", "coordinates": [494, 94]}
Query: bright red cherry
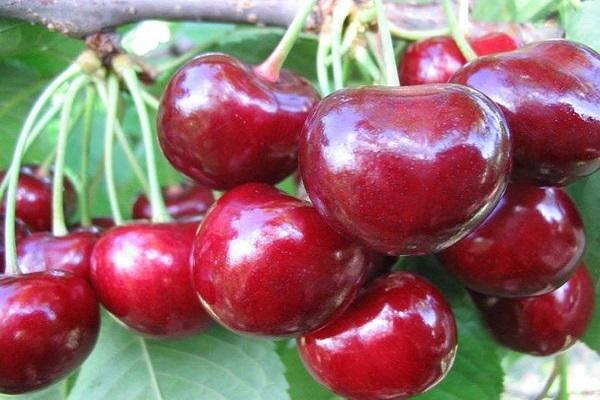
{"type": "Point", "coordinates": [413, 183]}
{"type": "Point", "coordinates": [541, 325]}
{"type": "Point", "coordinates": [396, 340]}
{"type": "Point", "coordinates": [21, 231]}
{"type": "Point", "coordinates": [43, 251]}
{"type": "Point", "coordinates": [267, 264]}
{"type": "Point", "coordinates": [34, 198]}
{"type": "Point", "coordinates": [222, 124]}
{"type": "Point", "coordinates": [182, 201]}
{"type": "Point", "coordinates": [530, 244]}
{"type": "Point", "coordinates": [436, 59]}
{"type": "Point", "coordinates": [49, 323]}
{"type": "Point", "coordinates": [141, 273]}
{"type": "Point", "coordinates": [550, 94]}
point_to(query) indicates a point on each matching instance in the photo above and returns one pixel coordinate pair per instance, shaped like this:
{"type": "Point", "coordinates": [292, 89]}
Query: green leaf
{"type": "Point", "coordinates": [581, 25]}
{"type": "Point", "coordinates": [54, 392]}
{"type": "Point", "coordinates": [213, 365]}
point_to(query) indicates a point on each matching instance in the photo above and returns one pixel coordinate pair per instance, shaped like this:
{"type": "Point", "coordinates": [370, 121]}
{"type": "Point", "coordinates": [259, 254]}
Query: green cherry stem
{"type": "Point", "coordinates": [150, 100]}
{"type": "Point", "coordinates": [88, 119]}
{"type": "Point", "coordinates": [411, 35]}
{"type": "Point", "coordinates": [270, 68]}
{"type": "Point", "coordinates": [563, 372]}
{"type": "Point", "coordinates": [109, 135]}
{"type": "Point", "coordinates": [322, 71]}
{"type": "Point", "coordinates": [457, 31]}
{"type": "Point", "coordinates": [340, 13]}
{"type": "Point", "coordinates": [366, 64]}
{"type": "Point", "coordinates": [389, 58]}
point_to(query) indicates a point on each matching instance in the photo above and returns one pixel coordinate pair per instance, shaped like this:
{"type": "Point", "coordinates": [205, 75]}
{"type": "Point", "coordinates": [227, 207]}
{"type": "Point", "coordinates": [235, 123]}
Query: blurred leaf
{"type": "Point", "coordinates": [581, 25]}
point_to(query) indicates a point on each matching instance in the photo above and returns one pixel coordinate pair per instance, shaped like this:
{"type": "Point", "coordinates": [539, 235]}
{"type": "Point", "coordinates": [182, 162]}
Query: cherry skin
{"type": "Point", "coordinates": [222, 124]}
{"type": "Point", "coordinates": [49, 323]}
{"type": "Point", "coordinates": [541, 325]}
{"type": "Point", "coordinates": [550, 94]}
{"type": "Point", "coordinates": [396, 340]}
{"type": "Point", "coordinates": [21, 232]}
{"type": "Point", "coordinates": [266, 264]}
{"type": "Point", "coordinates": [412, 184]}
{"type": "Point", "coordinates": [182, 201]}
{"type": "Point", "coordinates": [141, 273]}
{"type": "Point", "coordinates": [436, 59]}
{"type": "Point", "coordinates": [43, 251]}
{"type": "Point", "coordinates": [34, 198]}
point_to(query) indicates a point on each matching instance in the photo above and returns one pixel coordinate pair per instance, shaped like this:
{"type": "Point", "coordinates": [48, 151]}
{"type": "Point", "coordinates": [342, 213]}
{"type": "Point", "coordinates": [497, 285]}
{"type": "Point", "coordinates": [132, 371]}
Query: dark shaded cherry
{"type": "Point", "coordinates": [550, 94]}
{"type": "Point", "coordinates": [141, 273]}
{"type": "Point", "coordinates": [49, 323]}
{"type": "Point", "coordinates": [182, 201]}
{"type": "Point", "coordinates": [21, 231]}
{"type": "Point", "coordinates": [529, 245]}
{"type": "Point", "coordinates": [267, 264]}
{"type": "Point", "coordinates": [72, 252]}
{"type": "Point", "coordinates": [221, 124]}
{"type": "Point", "coordinates": [541, 325]}
{"type": "Point", "coordinates": [436, 59]}
{"type": "Point", "coordinates": [396, 340]}
{"type": "Point", "coordinates": [412, 184]}
{"type": "Point", "coordinates": [98, 225]}
{"type": "Point", "coordinates": [34, 198]}
{"type": "Point", "coordinates": [380, 265]}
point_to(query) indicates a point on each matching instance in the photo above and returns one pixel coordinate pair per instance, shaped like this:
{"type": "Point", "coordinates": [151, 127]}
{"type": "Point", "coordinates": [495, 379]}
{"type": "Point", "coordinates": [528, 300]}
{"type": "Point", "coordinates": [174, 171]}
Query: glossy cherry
{"type": "Point", "coordinates": [541, 325]}
{"type": "Point", "coordinates": [34, 198]}
{"type": "Point", "coordinates": [222, 124]}
{"type": "Point", "coordinates": [182, 201]}
{"type": "Point", "coordinates": [396, 340]}
{"type": "Point", "coordinates": [49, 323]}
{"type": "Point", "coordinates": [530, 244]}
{"type": "Point", "coordinates": [436, 59]}
{"type": "Point", "coordinates": [21, 231]}
{"type": "Point", "coordinates": [141, 273]}
{"type": "Point", "coordinates": [267, 264]}
{"type": "Point", "coordinates": [413, 183]}
{"type": "Point", "coordinates": [72, 252]}
{"type": "Point", "coordinates": [550, 94]}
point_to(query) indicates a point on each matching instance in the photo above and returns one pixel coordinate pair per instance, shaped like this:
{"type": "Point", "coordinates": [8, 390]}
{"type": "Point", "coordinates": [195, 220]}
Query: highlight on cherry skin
{"type": "Point", "coordinates": [266, 264]}
{"type": "Point", "coordinates": [424, 183]}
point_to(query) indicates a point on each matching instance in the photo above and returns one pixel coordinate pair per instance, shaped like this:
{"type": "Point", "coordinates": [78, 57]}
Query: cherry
{"type": "Point", "coordinates": [49, 323]}
{"type": "Point", "coordinates": [529, 245]}
{"type": "Point", "coordinates": [21, 231]}
{"type": "Point", "coordinates": [181, 201]}
{"type": "Point", "coordinates": [43, 251]}
{"type": "Point", "coordinates": [396, 340]}
{"type": "Point", "coordinates": [267, 264]}
{"type": "Point", "coordinates": [141, 273]}
{"type": "Point", "coordinates": [222, 124]}
{"type": "Point", "coordinates": [541, 325]}
{"type": "Point", "coordinates": [98, 224]}
{"type": "Point", "coordinates": [34, 198]}
{"type": "Point", "coordinates": [550, 94]}
{"type": "Point", "coordinates": [412, 184]}
{"type": "Point", "coordinates": [436, 59]}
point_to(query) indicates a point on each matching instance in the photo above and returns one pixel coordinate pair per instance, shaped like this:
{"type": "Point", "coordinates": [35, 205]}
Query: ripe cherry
{"type": "Point", "coordinates": [396, 340]}
{"type": "Point", "coordinates": [529, 245]}
{"type": "Point", "coordinates": [267, 264]}
{"type": "Point", "coordinates": [141, 273]}
{"type": "Point", "coordinates": [436, 59]}
{"type": "Point", "coordinates": [34, 198]}
{"type": "Point", "coordinates": [550, 94]}
{"type": "Point", "coordinates": [222, 124]}
{"type": "Point", "coordinates": [43, 251]}
{"type": "Point", "coordinates": [49, 323]}
{"type": "Point", "coordinates": [21, 231]}
{"type": "Point", "coordinates": [541, 325]}
{"type": "Point", "coordinates": [412, 184]}
{"type": "Point", "coordinates": [181, 201]}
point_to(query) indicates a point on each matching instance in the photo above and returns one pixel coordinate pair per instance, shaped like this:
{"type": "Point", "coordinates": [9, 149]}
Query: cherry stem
{"type": "Point", "coordinates": [350, 34]}
{"type": "Point", "coordinates": [270, 68]}
{"type": "Point", "coordinates": [322, 72]}
{"type": "Point", "coordinates": [366, 64]}
{"type": "Point", "coordinates": [109, 135]}
{"type": "Point", "coordinates": [369, 15]}
{"type": "Point", "coordinates": [88, 119]}
{"type": "Point", "coordinates": [15, 165]}
{"type": "Point", "coordinates": [340, 13]}
{"type": "Point", "coordinates": [563, 384]}
{"type": "Point", "coordinates": [150, 100]}
{"type": "Point", "coordinates": [389, 57]}
{"type": "Point", "coordinates": [549, 382]}
{"type": "Point", "coordinates": [458, 30]}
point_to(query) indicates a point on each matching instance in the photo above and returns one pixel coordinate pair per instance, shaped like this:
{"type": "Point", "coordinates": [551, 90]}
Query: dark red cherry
{"type": "Point", "coordinates": [267, 264]}
{"type": "Point", "coordinates": [222, 124]}
{"type": "Point", "coordinates": [141, 273]}
{"type": "Point", "coordinates": [98, 225]}
{"type": "Point", "coordinates": [21, 231]}
{"type": "Point", "coordinates": [396, 340]}
{"type": "Point", "coordinates": [413, 183]}
{"type": "Point", "coordinates": [436, 59]}
{"type": "Point", "coordinates": [49, 323]}
{"type": "Point", "coordinates": [34, 198]}
{"type": "Point", "coordinates": [182, 201]}
{"type": "Point", "coordinates": [380, 265]}
{"type": "Point", "coordinates": [529, 245]}
{"type": "Point", "coordinates": [43, 251]}
{"type": "Point", "coordinates": [541, 325]}
{"type": "Point", "coordinates": [550, 94]}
